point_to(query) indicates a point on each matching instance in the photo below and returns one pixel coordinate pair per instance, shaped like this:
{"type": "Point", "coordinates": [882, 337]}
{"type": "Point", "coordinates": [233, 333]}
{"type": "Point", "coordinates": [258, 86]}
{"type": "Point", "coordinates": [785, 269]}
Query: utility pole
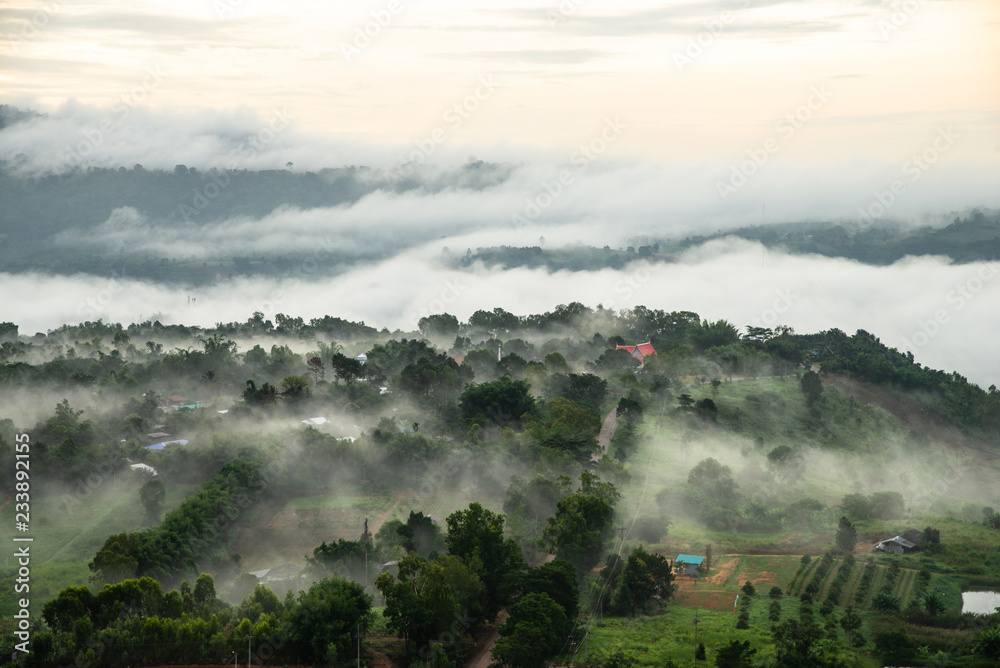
{"type": "Point", "coordinates": [696, 637]}
{"type": "Point", "coordinates": [250, 649]}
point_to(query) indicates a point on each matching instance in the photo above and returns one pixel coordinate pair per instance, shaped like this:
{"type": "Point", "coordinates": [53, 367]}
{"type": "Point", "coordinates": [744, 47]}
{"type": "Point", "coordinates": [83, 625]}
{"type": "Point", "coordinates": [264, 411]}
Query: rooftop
{"type": "Point", "coordinates": [688, 559]}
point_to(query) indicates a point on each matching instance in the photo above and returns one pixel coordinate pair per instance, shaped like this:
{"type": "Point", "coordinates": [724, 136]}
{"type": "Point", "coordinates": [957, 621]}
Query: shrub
{"type": "Point", "coordinates": [775, 592]}
{"type": "Point", "coordinates": [886, 602]}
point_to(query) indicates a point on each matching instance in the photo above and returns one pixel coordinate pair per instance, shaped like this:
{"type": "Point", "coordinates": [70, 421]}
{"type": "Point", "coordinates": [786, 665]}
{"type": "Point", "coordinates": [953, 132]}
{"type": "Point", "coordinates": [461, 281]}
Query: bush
{"type": "Point", "coordinates": [775, 592]}
{"type": "Point", "coordinates": [774, 612]}
{"type": "Point", "coordinates": [651, 529]}
{"type": "Point", "coordinates": [895, 646]}
{"type": "Point", "coordinates": [886, 602]}
{"type": "Point", "coordinates": [749, 589]}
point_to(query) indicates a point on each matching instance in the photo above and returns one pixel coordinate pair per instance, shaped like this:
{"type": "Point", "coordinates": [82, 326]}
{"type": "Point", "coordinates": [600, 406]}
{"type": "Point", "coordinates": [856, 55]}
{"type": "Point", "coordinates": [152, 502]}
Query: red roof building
{"type": "Point", "coordinates": [638, 351]}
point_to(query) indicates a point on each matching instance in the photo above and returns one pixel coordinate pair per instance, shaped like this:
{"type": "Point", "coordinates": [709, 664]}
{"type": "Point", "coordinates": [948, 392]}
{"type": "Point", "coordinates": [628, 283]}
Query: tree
{"type": "Point", "coordinates": [323, 624]}
{"type": "Point", "coordinates": [117, 559]}
{"type": "Point", "coordinates": [857, 507]}
{"type": "Point", "coordinates": [204, 591]}
{"type": "Point", "coordinates": [582, 523]}
{"type": "Point", "coordinates": [749, 589]}
{"type": "Point", "coordinates": [267, 395]}
{"type": "Point", "coordinates": [713, 478]}
{"type": "Point", "coordinates": [736, 654]}
{"type": "Point", "coordinates": [316, 368]}
{"type": "Point", "coordinates": [346, 368]}
{"type": "Point", "coordinates": [886, 505]}
{"type": "Point", "coordinates": [503, 402]}
{"type": "Point", "coordinates": [556, 363]}
{"type": "Point", "coordinates": [885, 601]}
{"type": "Point", "coordinates": [706, 409]}
{"type": "Point", "coordinates": [933, 604]}
{"type": "Point", "coordinates": [987, 644]}
{"type": "Point", "coordinates": [532, 632]}
{"type": "Point", "coordinates": [557, 579]}
{"type": "Point", "coordinates": [420, 535]}
{"type": "Point", "coordinates": [643, 577]}
{"type": "Point", "coordinates": [895, 646]}
{"type": "Point", "coordinates": [786, 463]}
{"type": "Point", "coordinates": [425, 598]}
{"type": "Point", "coordinates": [705, 335]}
{"type": "Point", "coordinates": [847, 536]}
{"type": "Point", "coordinates": [569, 427]}
{"type": "Point", "coordinates": [442, 325]}
{"type": "Point", "coordinates": [476, 537]}
{"type": "Point", "coordinates": [850, 621]}
{"type": "Point", "coordinates": [812, 387]}
{"type": "Point", "coordinates": [152, 494]}
{"type": "Point", "coordinates": [294, 388]}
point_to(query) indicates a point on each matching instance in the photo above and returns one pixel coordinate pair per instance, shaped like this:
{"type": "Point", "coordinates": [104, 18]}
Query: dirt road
{"type": "Point", "coordinates": [608, 429]}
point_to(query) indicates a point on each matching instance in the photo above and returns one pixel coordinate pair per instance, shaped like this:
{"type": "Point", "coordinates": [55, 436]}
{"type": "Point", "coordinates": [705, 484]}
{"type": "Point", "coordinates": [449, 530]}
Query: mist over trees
{"type": "Point", "coordinates": [549, 450]}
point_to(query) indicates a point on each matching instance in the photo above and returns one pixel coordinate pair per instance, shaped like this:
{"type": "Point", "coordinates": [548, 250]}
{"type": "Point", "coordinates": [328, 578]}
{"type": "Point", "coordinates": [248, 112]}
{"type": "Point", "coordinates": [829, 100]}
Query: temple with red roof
{"type": "Point", "coordinates": [638, 351]}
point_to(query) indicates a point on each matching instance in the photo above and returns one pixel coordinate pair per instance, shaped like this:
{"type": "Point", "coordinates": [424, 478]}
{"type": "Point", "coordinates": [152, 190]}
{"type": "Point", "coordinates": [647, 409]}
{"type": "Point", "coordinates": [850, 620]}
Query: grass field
{"type": "Point", "coordinates": [671, 635]}
{"type": "Point", "coordinates": [68, 529]}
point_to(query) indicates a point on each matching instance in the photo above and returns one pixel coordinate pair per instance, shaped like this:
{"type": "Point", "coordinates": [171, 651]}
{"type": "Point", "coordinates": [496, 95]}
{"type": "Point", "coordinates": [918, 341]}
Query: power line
{"type": "Point", "coordinates": [621, 546]}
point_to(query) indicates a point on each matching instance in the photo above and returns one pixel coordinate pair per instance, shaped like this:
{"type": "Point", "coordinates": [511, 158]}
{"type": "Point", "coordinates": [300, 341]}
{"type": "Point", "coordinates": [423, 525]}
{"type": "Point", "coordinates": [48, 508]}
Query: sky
{"type": "Point", "coordinates": [693, 81]}
{"type": "Point", "coordinates": [661, 118]}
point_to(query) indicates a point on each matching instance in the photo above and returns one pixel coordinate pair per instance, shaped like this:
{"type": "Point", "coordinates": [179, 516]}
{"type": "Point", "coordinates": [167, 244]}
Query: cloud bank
{"type": "Point", "coordinates": [944, 313]}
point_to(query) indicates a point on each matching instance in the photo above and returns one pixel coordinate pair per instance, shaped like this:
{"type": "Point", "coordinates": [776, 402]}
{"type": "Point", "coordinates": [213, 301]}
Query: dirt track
{"type": "Point", "coordinates": [608, 429]}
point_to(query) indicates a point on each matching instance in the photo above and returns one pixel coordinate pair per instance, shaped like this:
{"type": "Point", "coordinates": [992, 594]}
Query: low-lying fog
{"type": "Point", "coordinates": [946, 314]}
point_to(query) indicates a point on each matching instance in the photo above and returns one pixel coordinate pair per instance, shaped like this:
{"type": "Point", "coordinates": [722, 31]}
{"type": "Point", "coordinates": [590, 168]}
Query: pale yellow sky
{"type": "Point", "coordinates": [693, 81]}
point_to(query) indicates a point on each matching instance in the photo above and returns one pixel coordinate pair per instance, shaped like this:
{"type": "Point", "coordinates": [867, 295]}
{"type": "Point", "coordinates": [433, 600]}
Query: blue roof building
{"type": "Point", "coordinates": [688, 563]}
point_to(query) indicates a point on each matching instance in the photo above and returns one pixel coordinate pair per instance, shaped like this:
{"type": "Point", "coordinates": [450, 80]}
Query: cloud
{"type": "Point", "coordinates": [952, 305]}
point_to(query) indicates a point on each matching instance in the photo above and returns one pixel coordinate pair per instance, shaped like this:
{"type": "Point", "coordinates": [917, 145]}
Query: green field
{"type": "Point", "coordinates": [69, 528]}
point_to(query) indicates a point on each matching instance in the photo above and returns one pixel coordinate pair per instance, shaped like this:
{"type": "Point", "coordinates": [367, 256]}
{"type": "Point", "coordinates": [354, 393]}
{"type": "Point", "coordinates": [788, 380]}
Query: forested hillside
{"type": "Point", "coordinates": [522, 480]}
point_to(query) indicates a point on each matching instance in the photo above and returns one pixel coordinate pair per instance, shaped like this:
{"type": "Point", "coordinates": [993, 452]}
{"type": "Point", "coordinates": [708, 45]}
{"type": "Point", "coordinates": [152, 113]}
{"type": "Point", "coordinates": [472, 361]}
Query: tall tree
{"type": "Point", "coordinates": [812, 387]}
{"type": "Point", "coordinates": [476, 536]}
{"type": "Point", "coordinates": [531, 634]}
{"type": "Point", "coordinates": [847, 535]}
